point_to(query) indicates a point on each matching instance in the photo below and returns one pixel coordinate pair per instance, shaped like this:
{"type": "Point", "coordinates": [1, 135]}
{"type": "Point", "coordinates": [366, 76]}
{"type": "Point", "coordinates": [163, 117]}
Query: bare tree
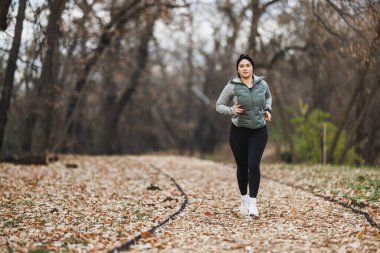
{"type": "Point", "coordinates": [10, 71]}
{"type": "Point", "coordinates": [85, 75]}
{"type": "Point", "coordinates": [369, 51]}
{"type": "Point", "coordinates": [141, 59]}
{"type": "Point", "coordinates": [4, 9]}
{"type": "Point", "coordinates": [351, 140]}
{"type": "Point", "coordinates": [257, 10]}
{"type": "Point", "coordinates": [47, 86]}
{"type": "Point", "coordinates": [125, 13]}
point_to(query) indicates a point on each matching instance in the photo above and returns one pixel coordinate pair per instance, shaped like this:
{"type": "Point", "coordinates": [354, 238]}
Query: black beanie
{"type": "Point", "coordinates": [242, 57]}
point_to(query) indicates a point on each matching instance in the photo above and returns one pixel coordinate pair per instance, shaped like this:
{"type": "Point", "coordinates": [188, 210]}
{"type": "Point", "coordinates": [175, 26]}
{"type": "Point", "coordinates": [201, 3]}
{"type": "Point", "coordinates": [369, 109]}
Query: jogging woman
{"type": "Point", "coordinates": [250, 110]}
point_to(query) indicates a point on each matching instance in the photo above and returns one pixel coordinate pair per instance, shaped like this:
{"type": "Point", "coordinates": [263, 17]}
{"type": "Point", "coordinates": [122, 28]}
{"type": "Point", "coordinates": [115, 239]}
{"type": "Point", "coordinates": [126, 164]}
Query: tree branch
{"type": "Point", "coordinates": [20, 59]}
{"type": "Point", "coordinates": [324, 24]}
{"type": "Point", "coordinates": [281, 53]}
{"type": "Point", "coordinates": [342, 15]}
{"type": "Point", "coordinates": [269, 3]}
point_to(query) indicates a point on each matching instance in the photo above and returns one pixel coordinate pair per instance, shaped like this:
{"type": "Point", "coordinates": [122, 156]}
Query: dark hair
{"type": "Point", "coordinates": [242, 57]}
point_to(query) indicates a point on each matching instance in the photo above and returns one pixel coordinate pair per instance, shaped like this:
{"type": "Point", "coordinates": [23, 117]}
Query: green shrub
{"type": "Point", "coordinates": [308, 136]}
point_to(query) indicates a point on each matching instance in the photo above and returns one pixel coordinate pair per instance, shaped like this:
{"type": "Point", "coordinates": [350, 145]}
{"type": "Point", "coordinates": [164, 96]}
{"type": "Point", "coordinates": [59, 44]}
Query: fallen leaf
{"type": "Point", "coordinates": [146, 234]}
{"type": "Point", "coordinates": [361, 234]}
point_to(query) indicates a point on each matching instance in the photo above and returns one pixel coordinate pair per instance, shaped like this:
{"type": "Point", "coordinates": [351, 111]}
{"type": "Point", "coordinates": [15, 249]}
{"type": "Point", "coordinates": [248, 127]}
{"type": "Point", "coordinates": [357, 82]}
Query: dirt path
{"type": "Point", "coordinates": [291, 220]}
{"type": "Point", "coordinates": [96, 204]}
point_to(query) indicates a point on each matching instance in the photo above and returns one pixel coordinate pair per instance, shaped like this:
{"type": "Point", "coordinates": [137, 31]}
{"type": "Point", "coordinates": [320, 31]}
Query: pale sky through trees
{"type": "Point", "coordinates": [205, 16]}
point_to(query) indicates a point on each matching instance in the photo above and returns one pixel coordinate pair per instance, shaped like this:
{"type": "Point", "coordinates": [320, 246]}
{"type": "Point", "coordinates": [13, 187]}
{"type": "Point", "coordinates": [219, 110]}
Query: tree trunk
{"type": "Point", "coordinates": [354, 135]}
{"type": "Point", "coordinates": [10, 71]}
{"type": "Point", "coordinates": [351, 103]}
{"type": "Point", "coordinates": [285, 120]}
{"type": "Point", "coordinates": [123, 16]}
{"type": "Point", "coordinates": [27, 133]}
{"type": "Point", "coordinates": [189, 97]}
{"type": "Point", "coordinates": [256, 13]}
{"type": "Point", "coordinates": [142, 57]}
{"type": "Point", "coordinates": [281, 109]}
{"type": "Point", "coordinates": [47, 84]}
{"type": "Point", "coordinates": [108, 106]}
{"type": "Point", "coordinates": [373, 50]}
{"type": "Point", "coordinates": [234, 21]}
{"type": "Point", "coordinates": [371, 149]}
{"type": "Point", "coordinates": [4, 9]}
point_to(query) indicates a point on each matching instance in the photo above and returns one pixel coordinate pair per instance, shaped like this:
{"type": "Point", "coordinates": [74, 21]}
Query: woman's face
{"type": "Point", "coordinates": [245, 69]}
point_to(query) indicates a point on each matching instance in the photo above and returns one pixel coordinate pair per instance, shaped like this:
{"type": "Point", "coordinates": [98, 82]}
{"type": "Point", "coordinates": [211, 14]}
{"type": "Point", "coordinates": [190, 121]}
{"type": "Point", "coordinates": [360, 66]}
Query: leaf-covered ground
{"type": "Point", "coordinates": [81, 203]}
{"type": "Point", "coordinates": [102, 202]}
{"type": "Point", "coordinates": [358, 187]}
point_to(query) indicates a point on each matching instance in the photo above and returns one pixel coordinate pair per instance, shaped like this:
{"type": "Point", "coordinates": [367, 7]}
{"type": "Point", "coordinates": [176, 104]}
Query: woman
{"type": "Point", "coordinates": [251, 109]}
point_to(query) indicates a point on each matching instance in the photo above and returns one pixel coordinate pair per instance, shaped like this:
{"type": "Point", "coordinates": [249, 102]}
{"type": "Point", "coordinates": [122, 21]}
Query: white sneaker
{"type": "Point", "coordinates": [244, 205]}
{"type": "Point", "coordinates": [252, 207]}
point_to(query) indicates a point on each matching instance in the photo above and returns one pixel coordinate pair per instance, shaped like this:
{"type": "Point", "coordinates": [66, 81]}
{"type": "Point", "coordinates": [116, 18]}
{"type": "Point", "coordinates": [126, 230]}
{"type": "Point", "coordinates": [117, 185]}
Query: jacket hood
{"type": "Point", "coordinates": [237, 80]}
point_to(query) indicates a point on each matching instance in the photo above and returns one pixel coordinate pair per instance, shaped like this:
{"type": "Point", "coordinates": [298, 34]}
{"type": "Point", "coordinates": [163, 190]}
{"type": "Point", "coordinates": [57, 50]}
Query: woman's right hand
{"type": "Point", "coordinates": [239, 109]}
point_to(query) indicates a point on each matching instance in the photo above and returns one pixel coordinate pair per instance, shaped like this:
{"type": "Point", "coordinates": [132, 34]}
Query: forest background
{"type": "Point", "coordinates": [132, 77]}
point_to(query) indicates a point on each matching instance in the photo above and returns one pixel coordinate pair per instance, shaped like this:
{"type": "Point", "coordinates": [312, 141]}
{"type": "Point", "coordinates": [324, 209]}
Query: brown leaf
{"type": "Point", "coordinates": [361, 234]}
{"type": "Point", "coordinates": [160, 246]}
{"type": "Point", "coordinates": [166, 233]}
{"type": "Point", "coordinates": [146, 234]}
{"type": "Point", "coordinates": [376, 233]}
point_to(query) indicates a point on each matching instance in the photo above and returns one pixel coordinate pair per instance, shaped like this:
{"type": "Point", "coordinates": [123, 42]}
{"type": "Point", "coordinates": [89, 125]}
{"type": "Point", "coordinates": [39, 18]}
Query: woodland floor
{"type": "Point", "coordinates": [96, 204]}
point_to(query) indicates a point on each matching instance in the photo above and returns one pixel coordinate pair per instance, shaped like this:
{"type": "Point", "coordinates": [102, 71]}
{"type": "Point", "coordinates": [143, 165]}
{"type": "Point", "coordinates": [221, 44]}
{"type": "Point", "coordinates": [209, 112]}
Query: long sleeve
{"type": "Point", "coordinates": [224, 99]}
{"type": "Point", "coordinates": [268, 99]}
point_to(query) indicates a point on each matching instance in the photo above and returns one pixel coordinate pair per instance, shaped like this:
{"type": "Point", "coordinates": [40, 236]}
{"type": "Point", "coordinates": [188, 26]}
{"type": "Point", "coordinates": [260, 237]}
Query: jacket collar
{"type": "Point", "coordinates": [256, 79]}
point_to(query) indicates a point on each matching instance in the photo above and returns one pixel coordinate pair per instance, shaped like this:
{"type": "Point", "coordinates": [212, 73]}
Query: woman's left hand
{"type": "Point", "coordinates": [267, 116]}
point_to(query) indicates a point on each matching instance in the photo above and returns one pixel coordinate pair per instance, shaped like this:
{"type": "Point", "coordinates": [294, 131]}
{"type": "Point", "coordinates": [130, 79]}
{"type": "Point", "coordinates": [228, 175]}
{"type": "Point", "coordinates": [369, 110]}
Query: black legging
{"type": "Point", "coordinates": [248, 146]}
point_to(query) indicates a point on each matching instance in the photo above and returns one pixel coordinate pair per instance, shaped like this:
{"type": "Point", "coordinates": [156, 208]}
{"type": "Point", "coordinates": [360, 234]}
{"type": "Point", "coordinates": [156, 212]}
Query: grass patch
{"type": "Point", "coordinates": [360, 186]}
{"type": "Point", "coordinates": [368, 188]}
